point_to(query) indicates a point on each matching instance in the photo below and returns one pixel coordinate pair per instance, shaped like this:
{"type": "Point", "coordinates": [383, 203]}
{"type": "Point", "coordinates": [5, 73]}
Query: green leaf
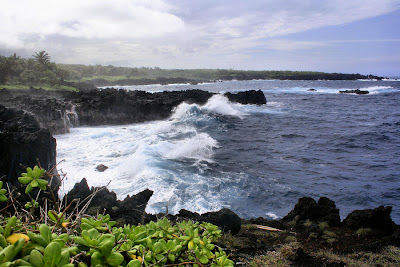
{"type": "Point", "coordinates": [52, 254]}
{"type": "Point", "coordinates": [42, 183]}
{"type": "Point", "coordinates": [29, 171]}
{"type": "Point", "coordinates": [96, 258]}
{"type": "Point", "coordinates": [3, 242]}
{"type": "Point", "coordinates": [38, 239]}
{"type": "Point", "coordinates": [115, 259]}
{"type": "Point", "coordinates": [93, 233]}
{"type": "Point", "coordinates": [3, 198]}
{"type": "Point", "coordinates": [1, 184]}
{"type": "Point", "coordinates": [45, 232]}
{"type": "Point", "coordinates": [28, 189]}
{"type": "Point", "coordinates": [134, 263]}
{"type": "Point", "coordinates": [64, 258]}
{"type": "Point", "coordinates": [37, 172]}
{"type": "Point", "coordinates": [25, 180]}
{"type": "Point", "coordinates": [11, 223]}
{"type": "Point", "coordinates": [52, 215]}
{"type": "Point", "coordinates": [8, 253]}
{"type": "Point", "coordinates": [3, 191]}
{"type": "Point", "coordinates": [34, 183]}
{"type": "Point", "coordinates": [106, 247]}
{"type": "Point", "coordinates": [36, 258]}
{"type": "Point", "coordinates": [80, 240]}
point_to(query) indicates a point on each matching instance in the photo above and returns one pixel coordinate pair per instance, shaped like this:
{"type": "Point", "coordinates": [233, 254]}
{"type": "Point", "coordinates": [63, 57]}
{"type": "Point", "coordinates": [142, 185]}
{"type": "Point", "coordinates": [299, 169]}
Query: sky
{"type": "Point", "coordinates": [348, 36]}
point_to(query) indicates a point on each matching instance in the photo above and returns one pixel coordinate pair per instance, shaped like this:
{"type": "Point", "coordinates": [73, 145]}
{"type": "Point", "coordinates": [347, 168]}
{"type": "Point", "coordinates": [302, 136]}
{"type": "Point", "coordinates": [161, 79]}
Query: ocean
{"type": "Point", "coordinates": [255, 160]}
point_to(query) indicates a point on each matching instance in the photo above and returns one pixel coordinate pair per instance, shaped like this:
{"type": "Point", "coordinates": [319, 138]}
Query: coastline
{"type": "Point", "coordinates": [306, 220]}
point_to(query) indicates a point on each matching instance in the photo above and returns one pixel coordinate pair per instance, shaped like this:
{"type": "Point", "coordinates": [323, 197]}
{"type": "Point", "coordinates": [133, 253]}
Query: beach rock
{"type": "Point", "coordinates": [357, 91]}
{"type": "Point", "coordinates": [101, 168]}
{"type": "Point", "coordinates": [115, 107]}
{"type": "Point", "coordinates": [23, 143]}
{"type": "Point", "coordinates": [247, 97]}
{"type": "Point", "coordinates": [226, 219]}
{"type": "Point", "coordinates": [188, 215]}
{"type": "Point", "coordinates": [308, 209]}
{"type": "Point", "coordinates": [131, 210]}
{"type": "Point", "coordinates": [80, 191]}
{"type": "Point", "coordinates": [58, 111]}
{"type": "Point", "coordinates": [376, 219]}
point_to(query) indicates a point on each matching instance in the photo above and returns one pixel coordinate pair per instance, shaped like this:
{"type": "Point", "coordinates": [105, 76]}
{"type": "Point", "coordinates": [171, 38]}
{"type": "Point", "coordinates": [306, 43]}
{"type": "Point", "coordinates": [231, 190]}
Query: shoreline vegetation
{"type": "Point", "coordinates": [39, 72]}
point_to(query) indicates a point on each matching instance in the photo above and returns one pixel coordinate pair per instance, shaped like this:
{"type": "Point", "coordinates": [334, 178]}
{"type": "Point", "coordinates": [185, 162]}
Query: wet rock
{"type": "Point", "coordinates": [131, 210]}
{"type": "Point", "coordinates": [23, 144]}
{"type": "Point", "coordinates": [357, 91]}
{"type": "Point", "coordinates": [308, 209]}
{"type": "Point", "coordinates": [247, 97]}
{"type": "Point", "coordinates": [376, 219]}
{"type": "Point", "coordinates": [101, 168]}
{"type": "Point", "coordinates": [226, 219]}
{"type": "Point", "coordinates": [58, 111]}
{"type": "Point", "coordinates": [312, 90]}
{"type": "Point", "coordinates": [188, 215]}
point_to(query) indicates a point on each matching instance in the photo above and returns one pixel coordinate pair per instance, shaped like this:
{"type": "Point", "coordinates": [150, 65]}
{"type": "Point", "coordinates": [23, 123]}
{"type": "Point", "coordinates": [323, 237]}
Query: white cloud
{"type": "Point", "coordinates": [125, 19]}
{"type": "Point", "coordinates": [173, 32]}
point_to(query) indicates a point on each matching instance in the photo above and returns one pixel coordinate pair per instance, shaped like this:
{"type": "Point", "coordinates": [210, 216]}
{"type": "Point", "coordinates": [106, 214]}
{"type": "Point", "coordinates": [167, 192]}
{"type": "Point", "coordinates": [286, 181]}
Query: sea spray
{"type": "Point", "coordinates": [259, 162]}
{"type": "Point", "coordinates": [173, 158]}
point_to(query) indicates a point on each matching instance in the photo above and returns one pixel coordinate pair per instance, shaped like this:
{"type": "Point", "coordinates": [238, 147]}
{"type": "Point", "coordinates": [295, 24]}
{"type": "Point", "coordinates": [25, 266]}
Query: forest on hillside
{"type": "Point", "coordinates": [40, 71]}
{"type": "Point", "coordinates": [109, 75]}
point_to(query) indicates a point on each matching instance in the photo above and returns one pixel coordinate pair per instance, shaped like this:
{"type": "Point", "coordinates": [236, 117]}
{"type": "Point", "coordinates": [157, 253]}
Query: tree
{"type": "Point", "coordinates": [42, 58]}
{"type": "Point", "coordinates": [10, 67]}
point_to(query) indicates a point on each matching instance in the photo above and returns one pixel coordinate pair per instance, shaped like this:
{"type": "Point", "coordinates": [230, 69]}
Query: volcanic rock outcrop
{"type": "Point", "coordinates": [23, 143]}
{"type": "Point", "coordinates": [58, 111]}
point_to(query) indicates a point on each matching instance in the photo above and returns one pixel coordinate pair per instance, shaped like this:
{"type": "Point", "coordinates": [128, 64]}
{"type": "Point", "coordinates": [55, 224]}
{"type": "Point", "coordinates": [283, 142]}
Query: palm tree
{"type": "Point", "coordinates": [42, 58]}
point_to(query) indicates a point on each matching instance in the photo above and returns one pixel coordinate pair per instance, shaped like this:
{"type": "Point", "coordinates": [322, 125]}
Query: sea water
{"type": "Point", "coordinates": [255, 160]}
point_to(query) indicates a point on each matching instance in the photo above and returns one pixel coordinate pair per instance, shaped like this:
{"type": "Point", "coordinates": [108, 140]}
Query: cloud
{"type": "Point", "coordinates": [171, 32]}
{"type": "Point", "coordinates": [121, 19]}
{"type": "Point", "coordinates": [290, 45]}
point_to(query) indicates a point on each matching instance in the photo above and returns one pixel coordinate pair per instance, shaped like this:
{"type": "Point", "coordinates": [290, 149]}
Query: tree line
{"type": "Point", "coordinates": [38, 70]}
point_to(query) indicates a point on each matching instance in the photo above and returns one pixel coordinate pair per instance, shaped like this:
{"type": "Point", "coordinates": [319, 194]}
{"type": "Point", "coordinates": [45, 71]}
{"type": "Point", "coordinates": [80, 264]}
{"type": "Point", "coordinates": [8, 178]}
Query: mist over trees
{"type": "Point", "coordinates": [39, 70]}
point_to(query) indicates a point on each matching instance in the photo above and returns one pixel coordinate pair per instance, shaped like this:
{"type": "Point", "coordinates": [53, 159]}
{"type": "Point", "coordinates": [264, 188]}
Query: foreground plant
{"type": "Point", "coordinates": [94, 241]}
{"type": "Point", "coordinates": [33, 179]}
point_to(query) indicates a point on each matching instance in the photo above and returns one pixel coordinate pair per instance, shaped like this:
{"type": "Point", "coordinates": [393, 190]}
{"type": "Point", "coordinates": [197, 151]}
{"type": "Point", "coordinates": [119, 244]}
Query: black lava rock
{"type": "Point", "coordinates": [376, 219]}
{"type": "Point", "coordinates": [308, 209]}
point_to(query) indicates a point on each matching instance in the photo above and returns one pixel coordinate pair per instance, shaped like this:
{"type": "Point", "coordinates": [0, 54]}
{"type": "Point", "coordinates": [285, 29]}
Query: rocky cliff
{"type": "Point", "coordinates": [58, 111]}
{"type": "Point", "coordinates": [23, 143]}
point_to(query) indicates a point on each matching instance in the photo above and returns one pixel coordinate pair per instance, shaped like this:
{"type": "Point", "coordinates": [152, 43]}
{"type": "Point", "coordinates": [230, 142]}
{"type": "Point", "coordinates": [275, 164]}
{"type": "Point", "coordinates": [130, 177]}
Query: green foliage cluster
{"type": "Point", "coordinates": [38, 70]}
{"type": "Point", "coordinates": [51, 240]}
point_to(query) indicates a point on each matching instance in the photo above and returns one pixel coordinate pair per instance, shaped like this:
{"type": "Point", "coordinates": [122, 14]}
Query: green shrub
{"type": "Point", "coordinates": [94, 241]}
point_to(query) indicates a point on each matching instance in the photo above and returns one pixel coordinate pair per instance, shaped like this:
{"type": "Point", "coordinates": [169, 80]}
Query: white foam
{"type": "Point", "coordinates": [199, 147]}
{"type": "Point", "coordinates": [220, 104]}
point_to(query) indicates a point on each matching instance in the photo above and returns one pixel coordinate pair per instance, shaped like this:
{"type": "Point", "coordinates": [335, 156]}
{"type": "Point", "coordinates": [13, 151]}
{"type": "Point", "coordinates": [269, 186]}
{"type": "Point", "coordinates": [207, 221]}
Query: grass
{"type": "Point", "coordinates": [388, 257]}
{"type": "Point", "coordinates": [45, 87]}
{"type": "Point", "coordinates": [281, 257]}
{"type": "Point", "coordinates": [230, 240]}
{"type": "Point", "coordinates": [272, 258]}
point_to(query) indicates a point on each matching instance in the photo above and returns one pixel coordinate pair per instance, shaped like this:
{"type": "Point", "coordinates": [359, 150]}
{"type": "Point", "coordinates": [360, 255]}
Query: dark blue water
{"type": "Point", "coordinates": [342, 146]}
{"type": "Point", "coordinates": [345, 147]}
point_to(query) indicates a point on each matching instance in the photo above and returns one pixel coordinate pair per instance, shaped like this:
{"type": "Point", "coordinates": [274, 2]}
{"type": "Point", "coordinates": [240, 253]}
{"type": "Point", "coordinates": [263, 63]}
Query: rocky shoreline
{"type": "Point", "coordinates": [310, 227]}
{"type": "Point", "coordinates": [58, 111]}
